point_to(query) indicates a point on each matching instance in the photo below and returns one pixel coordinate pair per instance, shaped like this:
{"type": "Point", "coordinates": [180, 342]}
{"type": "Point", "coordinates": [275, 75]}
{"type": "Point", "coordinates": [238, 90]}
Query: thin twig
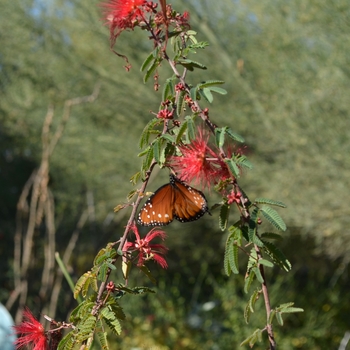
{"type": "Point", "coordinates": [66, 257]}
{"type": "Point", "coordinates": [50, 247]}
{"type": "Point", "coordinates": [265, 292]}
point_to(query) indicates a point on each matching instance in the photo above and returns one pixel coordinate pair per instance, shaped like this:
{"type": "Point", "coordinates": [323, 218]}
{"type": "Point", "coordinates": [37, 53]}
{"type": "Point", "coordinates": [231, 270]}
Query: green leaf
{"type": "Point", "coordinates": [191, 32]}
{"type": "Point", "coordinates": [290, 310]}
{"type": "Point", "coordinates": [245, 233]}
{"type": "Point", "coordinates": [266, 263]}
{"type": "Point", "coordinates": [223, 217]}
{"type": "Point", "coordinates": [272, 315]}
{"type": "Point", "coordinates": [252, 234]}
{"type": "Point", "coordinates": [253, 338]}
{"type": "Point", "coordinates": [149, 59]}
{"type": "Point", "coordinates": [154, 65]}
{"type": "Point", "coordinates": [181, 131]}
{"type": "Point", "coordinates": [115, 308]}
{"type": "Point", "coordinates": [206, 93]}
{"type": "Point", "coordinates": [210, 83]}
{"type": "Point", "coordinates": [135, 178]}
{"type": "Point", "coordinates": [168, 90]}
{"type": "Point", "coordinates": [110, 265]}
{"type": "Point", "coordinates": [232, 167]}
{"type": "Point", "coordinates": [247, 313]}
{"type": "Point", "coordinates": [243, 162]}
{"type": "Point", "coordinates": [128, 197]}
{"type": "Point", "coordinates": [273, 217]}
{"type": "Point", "coordinates": [147, 272]}
{"type": "Point", "coordinates": [144, 139]}
{"type": "Point", "coordinates": [81, 311]}
{"type": "Point", "coordinates": [271, 235]}
{"type": "Point", "coordinates": [86, 328]}
{"type": "Point", "coordinates": [220, 136]}
{"type": "Point", "coordinates": [281, 309]}
{"type": "Point", "coordinates": [218, 90]}
{"type": "Point", "coordinates": [231, 252]}
{"type": "Point", "coordinates": [67, 342]}
{"type": "Point", "coordinates": [160, 148]}
{"type": "Point", "coordinates": [233, 259]}
{"type": "Point", "coordinates": [156, 149]}
{"type": "Point", "coordinates": [104, 254]}
{"type": "Point", "coordinates": [227, 267]}
{"type": "Point", "coordinates": [80, 283]}
{"type": "Point", "coordinates": [111, 320]}
{"type": "Point", "coordinates": [180, 103]}
{"type": "Point", "coordinates": [234, 136]}
{"type": "Point", "coordinates": [168, 138]}
{"type": "Point", "coordinates": [136, 290]}
{"type": "Point", "coordinates": [191, 130]}
{"type": "Point", "coordinates": [279, 318]}
{"type": "Point", "coordinates": [142, 153]}
{"type": "Point", "coordinates": [249, 309]}
{"type": "Point", "coordinates": [193, 93]}
{"type": "Point", "coordinates": [258, 275]}
{"type": "Point", "coordinates": [92, 281]}
{"type": "Point", "coordinates": [190, 65]}
{"type": "Point", "coordinates": [270, 202]}
{"type": "Point", "coordinates": [148, 160]}
{"type": "Point", "coordinates": [218, 132]}
{"type": "Point", "coordinates": [102, 272]}
{"type": "Point", "coordinates": [248, 281]}
{"type": "Point", "coordinates": [142, 290]}
{"type": "Point", "coordinates": [277, 256]}
{"type": "Point", "coordinates": [101, 335]}
{"type": "Point", "coordinates": [253, 299]}
{"type": "Point", "coordinates": [199, 45]}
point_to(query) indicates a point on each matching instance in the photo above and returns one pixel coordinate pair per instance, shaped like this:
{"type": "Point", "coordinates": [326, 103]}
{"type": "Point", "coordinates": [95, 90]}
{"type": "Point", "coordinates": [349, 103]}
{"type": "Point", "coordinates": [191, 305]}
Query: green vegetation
{"type": "Point", "coordinates": [286, 71]}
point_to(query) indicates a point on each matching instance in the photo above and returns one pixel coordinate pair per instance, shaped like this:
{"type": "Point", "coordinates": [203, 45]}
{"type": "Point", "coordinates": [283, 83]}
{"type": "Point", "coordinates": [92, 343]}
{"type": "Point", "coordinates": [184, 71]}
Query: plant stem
{"type": "Point", "coordinates": [269, 328]}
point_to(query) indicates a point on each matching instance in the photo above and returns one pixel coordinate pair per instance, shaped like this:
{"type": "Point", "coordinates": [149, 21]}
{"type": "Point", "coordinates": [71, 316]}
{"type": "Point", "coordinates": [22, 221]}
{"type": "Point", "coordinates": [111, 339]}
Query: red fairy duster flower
{"type": "Point", "coordinates": [30, 333]}
{"type": "Point", "coordinates": [192, 164]}
{"type": "Point", "coordinates": [147, 251]}
{"type": "Point", "coordinates": [199, 162]}
{"type": "Point", "coordinates": [122, 14]}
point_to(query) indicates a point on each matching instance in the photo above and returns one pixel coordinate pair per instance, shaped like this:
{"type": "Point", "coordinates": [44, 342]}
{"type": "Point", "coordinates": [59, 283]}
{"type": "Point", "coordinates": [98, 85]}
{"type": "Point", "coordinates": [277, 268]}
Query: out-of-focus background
{"type": "Point", "coordinates": [286, 67]}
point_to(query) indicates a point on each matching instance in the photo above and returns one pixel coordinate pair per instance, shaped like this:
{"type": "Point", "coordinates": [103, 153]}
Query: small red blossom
{"type": "Point", "coordinates": [147, 251]}
{"type": "Point", "coordinates": [31, 333]}
{"type": "Point", "coordinates": [110, 286]}
{"type": "Point", "coordinates": [180, 87]}
{"type": "Point", "coordinates": [234, 197]}
{"type": "Point", "coordinates": [165, 114]}
{"type": "Point", "coordinates": [121, 15]}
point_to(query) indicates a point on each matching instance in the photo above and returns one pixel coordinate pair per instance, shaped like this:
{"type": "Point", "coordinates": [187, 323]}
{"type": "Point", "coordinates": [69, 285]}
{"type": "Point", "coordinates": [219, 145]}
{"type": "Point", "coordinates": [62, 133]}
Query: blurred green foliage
{"type": "Point", "coordinates": [286, 67]}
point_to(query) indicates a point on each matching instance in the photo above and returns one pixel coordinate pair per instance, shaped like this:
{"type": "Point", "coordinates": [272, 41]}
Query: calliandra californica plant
{"type": "Point", "coordinates": [184, 141]}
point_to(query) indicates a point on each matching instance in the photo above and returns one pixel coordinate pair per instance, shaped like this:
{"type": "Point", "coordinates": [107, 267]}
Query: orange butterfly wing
{"type": "Point", "coordinates": [190, 204]}
{"type": "Point", "coordinates": [158, 209]}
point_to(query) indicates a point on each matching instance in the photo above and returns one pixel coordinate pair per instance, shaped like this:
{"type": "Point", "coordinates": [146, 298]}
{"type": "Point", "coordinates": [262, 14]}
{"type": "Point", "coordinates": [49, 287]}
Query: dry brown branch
{"type": "Point", "coordinates": [50, 247]}
{"type": "Point", "coordinates": [41, 204]}
{"type": "Point", "coordinates": [66, 257]}
{"type": "Point", "coordinates": [21, 215]}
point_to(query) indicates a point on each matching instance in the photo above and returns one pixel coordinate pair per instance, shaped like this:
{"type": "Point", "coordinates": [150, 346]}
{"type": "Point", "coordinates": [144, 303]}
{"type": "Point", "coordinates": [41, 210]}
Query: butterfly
{"type": "Point", "coordinates": [175, 200]}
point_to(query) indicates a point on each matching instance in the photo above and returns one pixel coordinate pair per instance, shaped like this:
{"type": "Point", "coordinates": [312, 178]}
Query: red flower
{"type": "Point", "coordinates": [199, 162]}
{"type": "Point", "coordinates": [30, 332]}
{"type": "Point", "coordinates": [234, 197]}
{"type": "Point", "coordinates": [122, 14]}
{"type": "Point", "coordinates": [147, 251]}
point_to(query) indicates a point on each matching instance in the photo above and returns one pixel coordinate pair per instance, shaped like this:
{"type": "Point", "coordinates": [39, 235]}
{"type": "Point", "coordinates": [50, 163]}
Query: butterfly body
{"type": "Point", "coordinates": [175, 200]}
